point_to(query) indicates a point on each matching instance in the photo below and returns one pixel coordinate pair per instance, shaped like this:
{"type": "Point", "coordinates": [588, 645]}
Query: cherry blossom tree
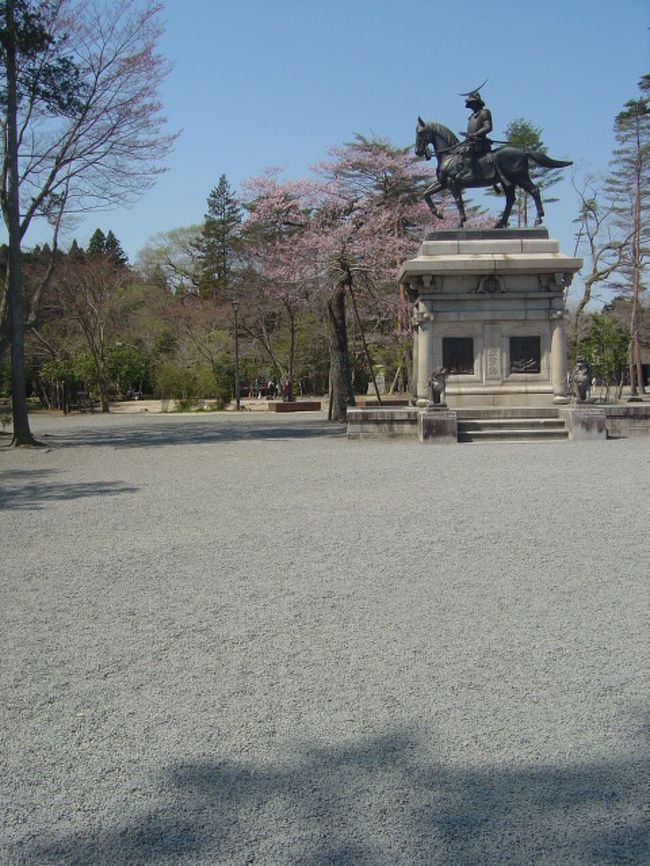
{"type": "Point", "coordinates": [279, 252]}
{"type": "Point", "coordinates": [342, 234]}
{"type": "Point", "coordinates": [373, 217]}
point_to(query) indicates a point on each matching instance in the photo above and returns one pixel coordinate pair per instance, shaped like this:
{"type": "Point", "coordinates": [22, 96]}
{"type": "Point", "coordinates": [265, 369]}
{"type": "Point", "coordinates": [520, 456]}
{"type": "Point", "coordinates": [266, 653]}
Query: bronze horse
{"type": "Point", "coordinates": [507, 166]}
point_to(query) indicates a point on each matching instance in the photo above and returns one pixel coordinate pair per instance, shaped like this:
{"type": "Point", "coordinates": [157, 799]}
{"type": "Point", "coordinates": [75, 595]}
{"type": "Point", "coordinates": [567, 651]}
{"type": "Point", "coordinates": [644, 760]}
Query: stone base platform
{"type": "Point", "coordinates": [488, 307]}
{"type": "Point", "coordinates": [500, 396]}
{"type": "Point", "coordinates": [442, 425]}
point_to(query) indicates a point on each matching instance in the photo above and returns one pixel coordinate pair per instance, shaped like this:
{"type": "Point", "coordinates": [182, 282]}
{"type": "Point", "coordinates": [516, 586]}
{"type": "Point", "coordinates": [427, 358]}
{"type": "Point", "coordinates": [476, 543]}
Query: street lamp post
{"type": "Point", "coordinates": [235, 306]}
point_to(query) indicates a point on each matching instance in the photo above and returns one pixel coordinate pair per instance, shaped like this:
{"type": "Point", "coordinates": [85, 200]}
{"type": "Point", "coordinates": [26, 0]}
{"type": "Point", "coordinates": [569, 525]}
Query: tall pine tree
{"type": "Point", "coordinates": [113, 249]}
{"type": "Point", "coordinates": [96, 244]}
{"type": "Point", "coordinates": [107, 245]}
{"type": "Point", "coordinates": [219, 242]}
{"type": "Point", "coordinates": [629, 186]}
{"type": "Point", "coordinates": [525, 135]}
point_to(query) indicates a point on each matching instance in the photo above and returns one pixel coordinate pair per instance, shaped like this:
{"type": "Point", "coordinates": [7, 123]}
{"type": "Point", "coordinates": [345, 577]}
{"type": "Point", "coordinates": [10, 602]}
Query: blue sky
{"type": "Point", "coordinates": [279, 82]}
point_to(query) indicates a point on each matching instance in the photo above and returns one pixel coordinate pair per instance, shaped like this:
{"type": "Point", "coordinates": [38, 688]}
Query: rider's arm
{"type": "Point", "coordinates": [486, 124]}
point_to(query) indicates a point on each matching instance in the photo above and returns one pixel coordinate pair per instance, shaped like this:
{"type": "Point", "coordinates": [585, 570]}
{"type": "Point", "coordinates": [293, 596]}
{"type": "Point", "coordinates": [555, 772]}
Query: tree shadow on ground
{"type": "Point", "coordinates": [32, 489]}
{"type": "Point", "coordinates": [144, 434]}
{"type": "Point", "coordinates": [376, 801]}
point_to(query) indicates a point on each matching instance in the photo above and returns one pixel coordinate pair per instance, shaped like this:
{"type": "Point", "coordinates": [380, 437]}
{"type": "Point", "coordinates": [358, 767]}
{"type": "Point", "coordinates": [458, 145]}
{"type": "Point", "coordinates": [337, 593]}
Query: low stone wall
{"type": "Point", "coordinates": [372, 402]}
{"type": "Point", "coordinates": [583, 421]}
{"type": "Point", "coordinates": [295, 406]}
{"type": "Point", "coordinates": [627, 419]}
{"type": "Point", "coordinates": [383, 423]}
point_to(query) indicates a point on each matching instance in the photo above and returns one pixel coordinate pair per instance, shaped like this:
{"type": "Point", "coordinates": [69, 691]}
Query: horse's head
{"type": "Point", "coordinates": [440, 137]}
{"type": "Point", "coordinates": [421, 139]}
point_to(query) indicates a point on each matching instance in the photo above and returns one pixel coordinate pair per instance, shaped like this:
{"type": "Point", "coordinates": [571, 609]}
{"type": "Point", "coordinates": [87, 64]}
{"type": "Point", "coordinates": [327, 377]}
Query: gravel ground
{"type": "Point", "coordinates": [244, 640]}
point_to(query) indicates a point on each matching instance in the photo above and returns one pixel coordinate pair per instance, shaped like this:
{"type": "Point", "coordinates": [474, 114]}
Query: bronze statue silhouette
{"type": "Point", "coordinates": [479, 126]}
{"type": "Point", "coordinates": [506, 166]}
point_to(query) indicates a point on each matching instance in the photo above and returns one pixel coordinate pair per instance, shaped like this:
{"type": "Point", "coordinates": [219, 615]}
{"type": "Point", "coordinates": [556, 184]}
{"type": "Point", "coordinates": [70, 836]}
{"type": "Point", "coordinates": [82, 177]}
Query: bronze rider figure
{"type": "Point", "coordinates": [479, 126]}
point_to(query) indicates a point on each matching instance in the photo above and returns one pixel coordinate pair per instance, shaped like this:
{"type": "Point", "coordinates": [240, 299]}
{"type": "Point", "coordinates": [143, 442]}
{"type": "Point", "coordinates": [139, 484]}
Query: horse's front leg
{"type": "Point", "coordinates": [428, 197]}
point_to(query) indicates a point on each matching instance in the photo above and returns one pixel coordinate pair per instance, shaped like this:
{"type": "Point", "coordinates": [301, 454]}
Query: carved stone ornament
{"type": "Point", "coordinates": [490, 285]}
{"type": "Point", "coordinates": [581, 380]}
{"type": "Point", "coordinates": [554, 282]}
{"type": "Point", "coordinates": [420, 318]}
{"type": "Point", "coordinates": [438, 385]}
{"type": "Point", "coordinates": [428, 282]}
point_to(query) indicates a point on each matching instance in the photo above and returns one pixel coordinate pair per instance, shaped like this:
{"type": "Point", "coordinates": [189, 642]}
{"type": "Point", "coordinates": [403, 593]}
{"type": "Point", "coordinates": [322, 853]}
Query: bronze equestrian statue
{"type": "Point", "coordinates": [473, 163]}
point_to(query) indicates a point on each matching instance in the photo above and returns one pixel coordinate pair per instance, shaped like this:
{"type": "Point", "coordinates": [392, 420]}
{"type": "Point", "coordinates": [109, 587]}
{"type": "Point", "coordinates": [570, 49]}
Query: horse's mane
{"type": "Point", "coordinates": [447, 136]}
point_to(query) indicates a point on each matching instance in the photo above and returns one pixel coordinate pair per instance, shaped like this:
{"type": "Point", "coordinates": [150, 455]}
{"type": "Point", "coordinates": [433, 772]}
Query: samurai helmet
{"type": "Point", "coordinates": [473, 97]}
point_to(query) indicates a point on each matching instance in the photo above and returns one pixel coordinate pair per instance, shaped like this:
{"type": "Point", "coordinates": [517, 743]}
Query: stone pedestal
{"type": "Point", "coordinates": [438, 426]}
{"type": "Point", "coordinates": [584, 421]}
{"type": "Point", "coordinates": [489, 307]}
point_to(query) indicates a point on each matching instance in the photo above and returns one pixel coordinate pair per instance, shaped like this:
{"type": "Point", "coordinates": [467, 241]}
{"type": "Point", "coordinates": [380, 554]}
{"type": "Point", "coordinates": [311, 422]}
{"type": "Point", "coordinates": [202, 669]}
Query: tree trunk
{"type": "Point", "coordinates": [264, 340]}
{"type": "Point", "coordinates": [342, 394]}
{"type": "Point", "coordinates": [636, 367]}
{"type": "Point", "coordinates": [638, 256]}
{"type": "Point", "coordinates": [292, 353]}
{"type": "Point", "coordinates": [365, 347]}
{"type": "Point", "coordinates": [21, 434]}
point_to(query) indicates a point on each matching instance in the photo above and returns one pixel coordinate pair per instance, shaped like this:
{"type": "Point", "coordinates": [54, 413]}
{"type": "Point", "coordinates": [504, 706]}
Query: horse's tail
{"type": "Point", "coordinates": [546, 161]}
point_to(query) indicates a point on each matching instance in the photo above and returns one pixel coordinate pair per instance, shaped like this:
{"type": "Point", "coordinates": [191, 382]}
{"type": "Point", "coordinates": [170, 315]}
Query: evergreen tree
{"type": "Point", "coordinates": [629, 186]}
{"type": "Point", "coordinates": [605, 348]}
{"type": "Point", "coordinates": [75, 252]}
{"type": "Point", "coordinates": [113, 249]}
{"type": "Point", "coordinates": [219, 242]}
{"type": "Point", "coordinates": [96, 244]}
{"type": "Point", "coordinates": [107, 245]}
{"type": "Point", "coordinates": [526, 136]}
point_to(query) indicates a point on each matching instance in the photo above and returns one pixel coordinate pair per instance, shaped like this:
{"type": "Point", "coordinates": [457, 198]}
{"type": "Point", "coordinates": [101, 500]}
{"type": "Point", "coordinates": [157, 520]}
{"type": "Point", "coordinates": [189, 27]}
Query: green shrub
{"type": "Point", "coordinates": [126, 368]}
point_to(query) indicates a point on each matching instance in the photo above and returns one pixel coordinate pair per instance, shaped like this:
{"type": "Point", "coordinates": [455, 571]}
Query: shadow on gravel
{"type": "Point", "coordinates": [145, 435]}
{"type": "Point", "coordinates": [31, 489]}
{"type": "Point", "coordinates": [371, 802]}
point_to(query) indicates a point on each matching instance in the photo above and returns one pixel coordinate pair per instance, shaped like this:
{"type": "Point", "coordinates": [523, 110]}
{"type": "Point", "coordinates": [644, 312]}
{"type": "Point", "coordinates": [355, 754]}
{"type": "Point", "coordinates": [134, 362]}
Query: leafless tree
{"type": "Point", "coordinates": [82, 127]}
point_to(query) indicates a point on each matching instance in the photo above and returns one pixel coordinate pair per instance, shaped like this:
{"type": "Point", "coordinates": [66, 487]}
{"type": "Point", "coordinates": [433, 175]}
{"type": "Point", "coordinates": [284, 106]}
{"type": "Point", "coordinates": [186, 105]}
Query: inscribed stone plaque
{"type": "Point", "coordinates": [492, 362]}
{"type": "Point", "coordinates": [458, 355]}
{"type": "Point", "coordinates": [492, 342]}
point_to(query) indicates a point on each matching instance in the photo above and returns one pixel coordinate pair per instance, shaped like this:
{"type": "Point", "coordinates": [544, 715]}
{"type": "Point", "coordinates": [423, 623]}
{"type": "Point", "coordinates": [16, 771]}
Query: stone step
{"type": "Point", "coordinates": [496, 412]}
{"type": "Point", "coordinates": [477, 426]}
{"type": "Point", "coordinates": [510, 423]}
{"type": "Point", "coordinates": [521, 434]}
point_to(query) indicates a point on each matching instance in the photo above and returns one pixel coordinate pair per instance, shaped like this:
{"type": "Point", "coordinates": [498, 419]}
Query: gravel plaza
{"type": "Point", "coordinates": [242, 639]}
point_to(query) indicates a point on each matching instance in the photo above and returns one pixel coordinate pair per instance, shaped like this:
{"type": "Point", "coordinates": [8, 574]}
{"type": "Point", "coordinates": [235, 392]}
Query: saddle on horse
{"type": "Point", "coordinates": [476, 168]}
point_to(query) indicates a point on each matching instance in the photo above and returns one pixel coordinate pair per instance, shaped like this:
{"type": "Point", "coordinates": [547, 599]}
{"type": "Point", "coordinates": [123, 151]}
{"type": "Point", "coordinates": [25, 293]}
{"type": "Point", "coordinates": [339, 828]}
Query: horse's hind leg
{"type": "Point", "coordinates": [460, 204]}
{"type": "Point", "coordinates": [510, 200]}
{"type": "Point", "coordinates": [538, 204]}
{"type": "Point", "coordinates": [527, 185]}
